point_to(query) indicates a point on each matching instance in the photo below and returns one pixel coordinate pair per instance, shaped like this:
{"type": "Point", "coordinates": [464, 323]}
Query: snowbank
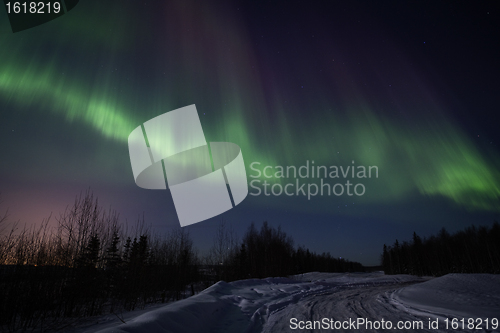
{"type": "Point", "coordinates": [454, 295]}
{"type": "Point", "coordinates": [268, 304]}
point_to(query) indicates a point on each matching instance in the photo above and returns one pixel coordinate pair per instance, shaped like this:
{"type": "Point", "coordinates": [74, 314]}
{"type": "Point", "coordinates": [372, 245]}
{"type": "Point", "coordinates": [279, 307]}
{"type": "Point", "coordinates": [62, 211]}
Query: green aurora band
{"type": "Point", "coordinates": [431, 156]}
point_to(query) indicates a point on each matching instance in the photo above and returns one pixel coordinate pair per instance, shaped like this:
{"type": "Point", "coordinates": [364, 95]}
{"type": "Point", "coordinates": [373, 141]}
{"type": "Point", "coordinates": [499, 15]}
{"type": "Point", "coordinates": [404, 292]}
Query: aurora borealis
{"type": "Point", "coordinates": [412, 89]}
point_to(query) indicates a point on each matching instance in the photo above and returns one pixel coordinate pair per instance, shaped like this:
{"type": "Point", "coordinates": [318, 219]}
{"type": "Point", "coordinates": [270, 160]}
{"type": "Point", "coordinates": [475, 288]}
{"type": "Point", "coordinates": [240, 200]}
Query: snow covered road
{"type": "Point", "coordinates": [371, 302]}
{"type": "Point", "coordinates": [321, 302]}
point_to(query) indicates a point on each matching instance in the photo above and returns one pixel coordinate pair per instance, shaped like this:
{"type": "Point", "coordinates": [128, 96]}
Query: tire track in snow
{"type": "Point", "coordinates": [372, 302]}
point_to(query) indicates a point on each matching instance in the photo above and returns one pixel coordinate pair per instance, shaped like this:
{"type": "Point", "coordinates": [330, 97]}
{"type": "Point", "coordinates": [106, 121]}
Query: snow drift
{"type": "Point", "coordinates": [267, 305]}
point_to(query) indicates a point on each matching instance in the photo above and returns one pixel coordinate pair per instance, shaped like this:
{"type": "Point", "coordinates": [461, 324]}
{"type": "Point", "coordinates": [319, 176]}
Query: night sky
{"type": "Point", "coordinates": [411, 87]}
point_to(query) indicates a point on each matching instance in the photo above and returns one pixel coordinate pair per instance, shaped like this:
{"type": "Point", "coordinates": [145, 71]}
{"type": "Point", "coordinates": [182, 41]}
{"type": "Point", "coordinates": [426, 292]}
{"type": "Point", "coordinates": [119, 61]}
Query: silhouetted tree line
{"type": "Point", "coordinates": [473, 250]}
{"type": "Point", "coordinates": [270, 252]}
{"type": "Point", "coordinates": [90, 264]}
